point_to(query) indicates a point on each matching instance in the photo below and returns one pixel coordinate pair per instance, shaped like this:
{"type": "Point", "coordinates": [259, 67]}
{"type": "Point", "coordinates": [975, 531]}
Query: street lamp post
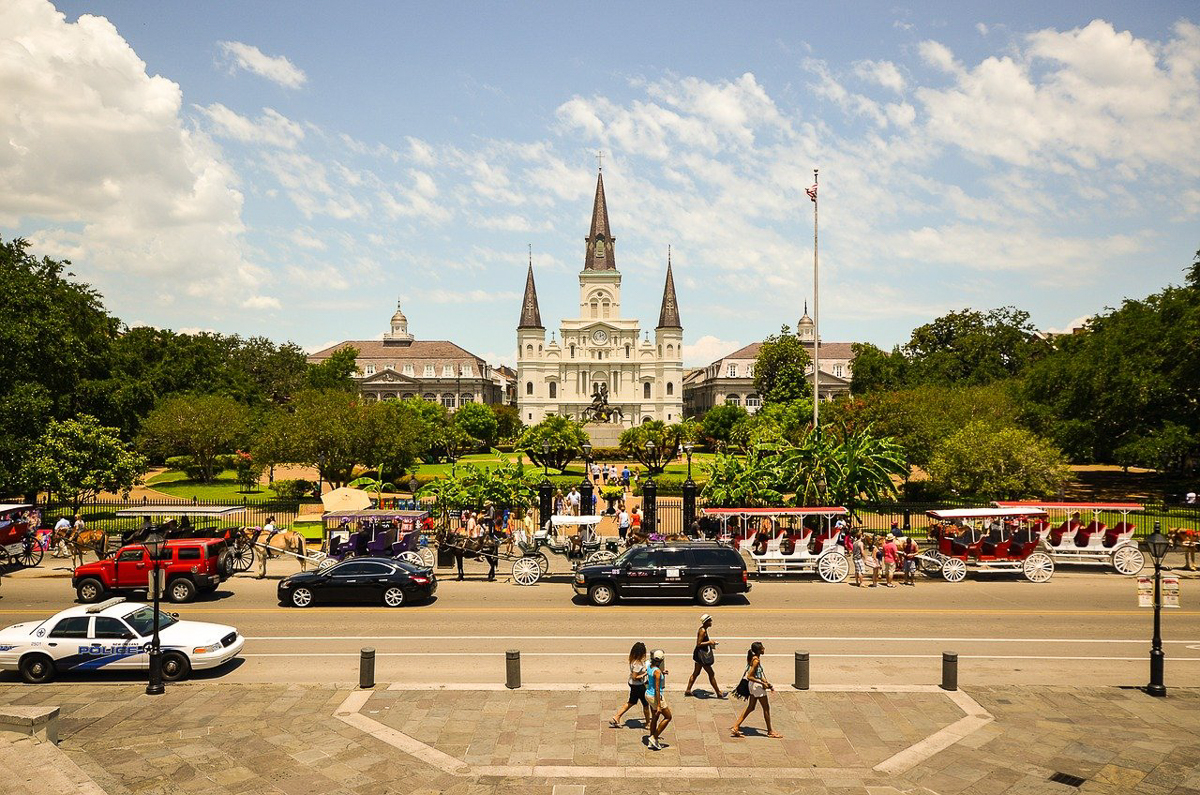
{"type": "Point", "coordinates": [1157, 544]}
{"type": "Point", "coordinates": [154, 545]}
{"type": "Point", "coordinates": [689, 491]}
{"type": "Point", "coordinates": [585, 486]}
{"type": "Point", "coordinates": [545, 457]}
{"type": "Point", "coordinates": [650, 493]}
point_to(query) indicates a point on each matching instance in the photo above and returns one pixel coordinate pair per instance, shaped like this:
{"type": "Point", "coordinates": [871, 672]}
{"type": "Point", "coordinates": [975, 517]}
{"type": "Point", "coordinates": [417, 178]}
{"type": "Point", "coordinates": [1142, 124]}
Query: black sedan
{"type": "Point", "coordinates": [373, 580]}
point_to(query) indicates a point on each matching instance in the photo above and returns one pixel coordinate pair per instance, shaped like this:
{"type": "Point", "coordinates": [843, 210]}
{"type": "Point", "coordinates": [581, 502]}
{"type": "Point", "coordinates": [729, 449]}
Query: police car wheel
{"type": "Point", "coordinates": [90, 590]}
{"type": "Point", "coordinates": [36, 669]}
{"type": "Point", "coordinates": [175, 667]}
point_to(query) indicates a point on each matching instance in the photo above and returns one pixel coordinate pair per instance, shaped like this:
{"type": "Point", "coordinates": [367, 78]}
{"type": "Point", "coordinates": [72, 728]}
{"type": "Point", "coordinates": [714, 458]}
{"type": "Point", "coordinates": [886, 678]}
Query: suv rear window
{"type": "Point", "coordinates": [189, 553]}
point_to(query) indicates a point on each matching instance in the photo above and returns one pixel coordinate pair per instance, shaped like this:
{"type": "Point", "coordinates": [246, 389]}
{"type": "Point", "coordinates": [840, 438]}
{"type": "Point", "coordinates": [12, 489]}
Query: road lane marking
{"type": "Point", "coordinates": [882, 610]}
{"type": "Point", "coordinates": [812, 639]}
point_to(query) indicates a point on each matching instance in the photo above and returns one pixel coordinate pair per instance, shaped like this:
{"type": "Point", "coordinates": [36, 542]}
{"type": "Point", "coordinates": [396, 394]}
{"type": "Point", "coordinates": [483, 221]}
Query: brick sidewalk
{"type": "Point", "coordinates": [227, 738]}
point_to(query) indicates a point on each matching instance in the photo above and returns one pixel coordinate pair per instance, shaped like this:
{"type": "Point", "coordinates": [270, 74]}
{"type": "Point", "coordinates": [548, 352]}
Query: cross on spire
{"type": "Point", "coordinates": [600, 160]}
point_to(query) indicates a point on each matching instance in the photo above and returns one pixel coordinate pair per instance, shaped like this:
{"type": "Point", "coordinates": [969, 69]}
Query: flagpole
{"type": "Point", "coordinates": [816, 319]}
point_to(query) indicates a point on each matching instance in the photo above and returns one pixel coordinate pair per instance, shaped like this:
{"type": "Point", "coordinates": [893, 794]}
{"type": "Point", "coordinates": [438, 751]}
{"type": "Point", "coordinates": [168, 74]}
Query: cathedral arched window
{"type": "Point", "coordinates": [627, 350]}
{"type": "Point", "coordinates": [528, 387]}
{"type": "Point", "coordinates": [529, 351]}
{"type": "Point", "coordinates": [539, 350]}
{"type": "Point", "coordinates": [553, 390]}
{"type": "Point", "coordinates": [605, 306]}
{"type": "Point", "coordinates": [670, 351]}
{"type": "Point", "coordinates": [670, 389]}
{"type": "Point", "coordinates": [646, 391]}
{"type": "Point", "coordinates": [572, 351]}
{"type": "Point", "coordinates": [595, 307]}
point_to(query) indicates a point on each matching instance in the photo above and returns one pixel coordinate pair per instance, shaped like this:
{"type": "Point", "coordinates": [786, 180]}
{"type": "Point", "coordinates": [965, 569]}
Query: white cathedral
{"type": "Point", "coordinates": [599, 350]}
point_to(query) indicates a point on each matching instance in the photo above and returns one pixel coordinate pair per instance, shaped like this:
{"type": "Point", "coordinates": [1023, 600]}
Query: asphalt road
{"type": "Point", "coordinates": [1080, 628]}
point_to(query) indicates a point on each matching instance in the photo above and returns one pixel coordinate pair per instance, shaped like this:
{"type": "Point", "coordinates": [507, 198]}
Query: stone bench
{"type": "Point", "coordinates": [41, 723]}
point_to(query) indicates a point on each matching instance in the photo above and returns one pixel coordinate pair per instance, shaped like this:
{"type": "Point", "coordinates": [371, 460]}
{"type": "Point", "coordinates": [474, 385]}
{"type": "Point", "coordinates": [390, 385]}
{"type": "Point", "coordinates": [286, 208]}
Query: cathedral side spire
{"type": "Point", "coordinates": [600, 255]}
{"type": "Point", "coordinates": [531, 316]}
{"type": "Point", "coordinates": [668, 315]}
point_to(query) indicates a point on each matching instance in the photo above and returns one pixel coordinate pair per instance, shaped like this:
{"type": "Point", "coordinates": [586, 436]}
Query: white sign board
{"type": "Point", "coordinates": [1170, 591]}
{"type": "Point", "coordinates": [153, 574]}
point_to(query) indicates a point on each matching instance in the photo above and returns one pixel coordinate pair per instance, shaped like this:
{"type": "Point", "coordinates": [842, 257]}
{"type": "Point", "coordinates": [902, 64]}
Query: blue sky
{"type": "Point", "coordinates": [290, 169]}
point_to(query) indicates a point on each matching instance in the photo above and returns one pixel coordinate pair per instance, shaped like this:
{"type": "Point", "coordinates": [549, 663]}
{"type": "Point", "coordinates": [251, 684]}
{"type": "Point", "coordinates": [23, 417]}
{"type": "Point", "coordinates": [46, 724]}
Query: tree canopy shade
{"type": "Point", "coordinates": [779, 369]}
{"type": "Point", "coordinates": [719, 423]}
{"type": "Point", "coordinates": [77, 459]}
{"type": "Point", "coordinates": [200, 426]}
{"type": "Point", "coordinates": [564, 436]}
{"type": "Point", "coordinates": [479, 422]}
{"type": "Point", "coordinates": [508, 419]}
{"type": "Point", "coordinates": [999, 463]}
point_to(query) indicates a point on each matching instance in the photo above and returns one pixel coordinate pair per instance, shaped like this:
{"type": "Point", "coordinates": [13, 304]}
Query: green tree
{"type": "Point", "coordinates": [719, 422]}
{"type": "Point", "coordinates": [508, 419]}
{"type": "Point", "coordinates": [399, 435]}
{"type": "Point", "coordinates": [999, 463]}
{"type": "Point", "coordinates": [736, 481]}
{"type": "Point", "coordinates": [200, 426]}
{"type": "Point", "coordinates": [563, 437]}
{"type": "Point", "coordinates": [774, 425]}
{"type": "Point", "coordinates": [972, 347]}
{"type": "Point", "coordinates": [479, 422]}
{"type": "Point", "coordinates": [77, 459]}
{"type": "Point", "coordinates": [1166, 448]}
{"type": "Point", "coordinates": [666, 439]}
{"type": "Point", "coordinates": [779, 369]}
{"type": "Point", "coordinates": [336, 372]}
{"type": "Point", "coordinates": [330, 431]}
{"type": "Point", "coordinates": [875, 369]}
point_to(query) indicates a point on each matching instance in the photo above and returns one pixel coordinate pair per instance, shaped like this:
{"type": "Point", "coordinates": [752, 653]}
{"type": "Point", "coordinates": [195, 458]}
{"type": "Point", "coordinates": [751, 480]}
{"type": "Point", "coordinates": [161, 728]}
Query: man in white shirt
{"type": "Point", "coordinates": [268, 532]}
{"type": "Point", "coordinates": [62, 530]}
{"type": "Point", "coordinates": [623, 523]}
{"type": "Point", "coordinates": [573, 502]}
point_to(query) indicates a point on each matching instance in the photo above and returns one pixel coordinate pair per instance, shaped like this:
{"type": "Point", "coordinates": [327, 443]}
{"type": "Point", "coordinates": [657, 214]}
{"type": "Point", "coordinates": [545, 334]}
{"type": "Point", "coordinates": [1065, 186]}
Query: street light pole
{"type": "Point", "coordinates": [154, 687]}
{"type": "Point", "coordinates": [1157, 544]}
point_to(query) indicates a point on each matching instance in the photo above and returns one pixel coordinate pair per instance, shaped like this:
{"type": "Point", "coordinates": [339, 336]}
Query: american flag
{"type": "Point", "coordinates": [812, 192]}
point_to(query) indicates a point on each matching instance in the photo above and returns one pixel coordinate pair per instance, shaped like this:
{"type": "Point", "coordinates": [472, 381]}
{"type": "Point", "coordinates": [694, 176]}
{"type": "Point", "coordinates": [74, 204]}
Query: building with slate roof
{"type": "Point", "coordinates": [643, 377]}
{"type": "Point", "coordinates": [400, 366]}
{"type": "Point", "coordinates": [730, 379]}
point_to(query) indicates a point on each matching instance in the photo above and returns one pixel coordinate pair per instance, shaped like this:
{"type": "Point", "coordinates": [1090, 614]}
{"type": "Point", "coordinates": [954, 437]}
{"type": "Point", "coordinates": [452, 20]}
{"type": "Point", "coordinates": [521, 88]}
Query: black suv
{"type": "Point", "coordinates": [700, 570]}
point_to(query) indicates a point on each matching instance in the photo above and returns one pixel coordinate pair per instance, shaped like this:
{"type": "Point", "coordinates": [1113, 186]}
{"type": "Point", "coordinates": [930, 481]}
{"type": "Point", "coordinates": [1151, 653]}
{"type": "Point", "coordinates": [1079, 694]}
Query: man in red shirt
{"type": "Point", "coordinates": [890, 556]}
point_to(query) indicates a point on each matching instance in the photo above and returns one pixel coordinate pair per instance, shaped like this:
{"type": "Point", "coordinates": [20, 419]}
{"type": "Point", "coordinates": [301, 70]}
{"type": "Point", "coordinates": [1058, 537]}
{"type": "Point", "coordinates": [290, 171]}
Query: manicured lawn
{"type": "Point", "coordinates": [225, 487]}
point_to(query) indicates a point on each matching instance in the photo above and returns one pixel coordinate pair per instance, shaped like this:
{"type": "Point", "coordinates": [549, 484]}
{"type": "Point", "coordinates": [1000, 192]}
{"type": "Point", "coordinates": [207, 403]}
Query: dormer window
{"type": "Point", "coordinates": [429, 371]}
{"type": "Point", "coordinates": [408, 369]}
{"type": "Point", "coordinates": [370, 369]}
{"type": "Point", "coordinates": [447, 371]}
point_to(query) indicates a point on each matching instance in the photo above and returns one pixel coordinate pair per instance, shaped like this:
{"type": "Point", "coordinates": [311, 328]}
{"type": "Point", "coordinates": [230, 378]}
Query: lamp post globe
{"type": "Point", "coordinates": [154, 545]}
{"type": "Point", "coordinates": [1157, 545]}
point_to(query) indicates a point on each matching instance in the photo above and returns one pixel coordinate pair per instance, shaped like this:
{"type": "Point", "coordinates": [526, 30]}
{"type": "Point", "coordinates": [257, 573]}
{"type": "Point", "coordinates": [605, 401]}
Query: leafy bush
{"type": "Point", "coordinates": [668, 485]}
{"type": "Point", "coordinates": [608, 454]}
{"type": "Point", "coordinates": [187, 465]}
{"type": "Point", "coordinates": [293, 489]}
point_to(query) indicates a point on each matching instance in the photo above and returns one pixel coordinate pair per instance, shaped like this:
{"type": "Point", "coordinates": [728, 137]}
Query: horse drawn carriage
{"type": "Point", "coordinates": [18, 536]}
{"type": "Point", "coordinates": [788, 540]}
{"type": "Point", "coordinates": [194, 521]}
{"type": "Point", "coordinates": [1093, 543]}
{"type": "Point", "coordinates": [987, 539]}
{"type": "Point", "coordinates": [376, 532]}
{"type": "Point", "coordinates": [583, 548]}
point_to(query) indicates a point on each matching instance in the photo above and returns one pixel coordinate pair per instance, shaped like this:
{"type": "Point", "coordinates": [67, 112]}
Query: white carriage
{"type": "Point", "coordinates": [583, 548]}
{"type": "Point", "coordinates": [1092, 543]}
{"type": "Point", "coordinates": [788, 540]}
{"type": "Point", "coordinates": [1001, 539]}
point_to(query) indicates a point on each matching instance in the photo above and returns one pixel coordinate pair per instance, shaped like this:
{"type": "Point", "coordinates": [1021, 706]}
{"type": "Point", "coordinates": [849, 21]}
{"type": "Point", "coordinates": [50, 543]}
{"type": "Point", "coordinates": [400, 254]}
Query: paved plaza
{"type": "Point", "coordinates": [312, 740]}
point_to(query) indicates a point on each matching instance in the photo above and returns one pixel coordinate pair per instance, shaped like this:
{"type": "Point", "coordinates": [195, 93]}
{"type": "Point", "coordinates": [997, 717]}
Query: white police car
{"type": "Point", "coordinates": [114, 635]}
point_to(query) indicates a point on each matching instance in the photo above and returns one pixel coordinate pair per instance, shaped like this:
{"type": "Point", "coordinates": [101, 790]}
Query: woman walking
{"type": "Point", "coordinates": [660, 713]}
{"type": "Point", "coordinates": [754, 686]}
{"type": "Point", "coordinates": [704, 655]}
{"type": "Point", "coordinates": [637, 685]}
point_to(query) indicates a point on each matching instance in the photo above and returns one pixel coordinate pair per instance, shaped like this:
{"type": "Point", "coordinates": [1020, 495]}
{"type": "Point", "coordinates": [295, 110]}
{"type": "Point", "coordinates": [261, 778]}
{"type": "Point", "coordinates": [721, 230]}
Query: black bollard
{"type": "Point", "coordinates": [949, 670]}
{"type": "Point", "coordinates": [512, 669]}
{"type": "Point", "coordinates": [366, 669]}
{"type": "Point", "coordinates": [801, 682]}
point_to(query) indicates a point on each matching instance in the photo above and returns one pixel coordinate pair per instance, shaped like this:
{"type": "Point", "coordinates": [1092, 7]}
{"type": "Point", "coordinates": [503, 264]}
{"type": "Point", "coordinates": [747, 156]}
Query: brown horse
{"type": "Point", "coordinates": [1189, 540]}
{"type": "Point", "coordinates": [481, 548]}
{"type": "Point", "coordinates": [79, 542]}
{"type": "Point", "coordinates": [284, 541]}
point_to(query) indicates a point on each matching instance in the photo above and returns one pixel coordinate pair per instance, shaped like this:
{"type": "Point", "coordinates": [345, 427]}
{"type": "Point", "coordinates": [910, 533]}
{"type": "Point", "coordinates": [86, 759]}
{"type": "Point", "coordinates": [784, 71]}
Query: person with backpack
{"type": "Point", "coordinates": [754, 687]}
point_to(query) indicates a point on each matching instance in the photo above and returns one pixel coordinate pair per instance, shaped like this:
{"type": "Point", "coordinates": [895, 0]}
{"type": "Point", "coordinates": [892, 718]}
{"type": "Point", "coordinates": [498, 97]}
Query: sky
{"type": "Point", "coordinates": [293, 169]}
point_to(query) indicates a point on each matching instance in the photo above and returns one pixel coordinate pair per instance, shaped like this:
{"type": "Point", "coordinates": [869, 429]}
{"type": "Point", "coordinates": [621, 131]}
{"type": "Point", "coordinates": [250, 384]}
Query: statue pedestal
{"type": "Point", "coordinates": [604, 434]}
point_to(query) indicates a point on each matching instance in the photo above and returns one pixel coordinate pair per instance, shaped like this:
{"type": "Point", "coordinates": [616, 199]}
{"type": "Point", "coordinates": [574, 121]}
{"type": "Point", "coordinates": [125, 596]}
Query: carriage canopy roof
{"type": "Point", "coordinates": [376, 513]}
{"type": "Point", "coordinates": [559, 521]}
{"type": "Point", "coordinates": [1073, 506]}
{"type": "Point", "coordinates": [834, 510]}
{"type": "Point", "coordinates": [979, 513]}
{"type": "Point", "coordinates": [179, 510]}
{"type": "Point", "coordinates": [8, 507]}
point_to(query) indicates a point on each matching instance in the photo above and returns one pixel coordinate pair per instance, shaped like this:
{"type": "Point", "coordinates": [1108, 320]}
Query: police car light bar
{"type": "Point", "coordinates": [107, 603]}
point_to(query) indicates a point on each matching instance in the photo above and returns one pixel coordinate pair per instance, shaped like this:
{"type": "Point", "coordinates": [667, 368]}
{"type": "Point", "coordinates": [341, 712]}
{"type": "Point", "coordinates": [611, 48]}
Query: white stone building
{"type": "Point", "coordinates": [644, 377]}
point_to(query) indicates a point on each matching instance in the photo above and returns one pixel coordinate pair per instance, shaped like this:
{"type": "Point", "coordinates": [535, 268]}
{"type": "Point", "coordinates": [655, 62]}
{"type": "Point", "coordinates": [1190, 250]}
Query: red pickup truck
{"type": "Point", "coordinates": [190, 566]}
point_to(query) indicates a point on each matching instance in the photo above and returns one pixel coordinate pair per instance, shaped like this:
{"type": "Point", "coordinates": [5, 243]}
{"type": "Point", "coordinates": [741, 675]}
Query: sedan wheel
{"type": "Point", "coordinates": [175, 667]}
{"type": "Point", "coordinates": [393, 597]}
{"type": "Point", "coordinates": [36, 669]}
{"type": "Point", "coordinates": [302, 597]}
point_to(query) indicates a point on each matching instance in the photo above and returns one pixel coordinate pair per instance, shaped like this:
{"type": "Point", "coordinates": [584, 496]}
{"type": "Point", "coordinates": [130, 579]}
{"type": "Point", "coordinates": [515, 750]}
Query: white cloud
{"type": "Point", "coordinates": [99, 166]}
{"type": "Point", "coordinates": [271, 128]}
{"type": "Point", "coordinates": [276, 68]}
{"type": "Point", "coordinates": [261, 302]}
{"type": "Point", "coordinates": [706, 350]}
{"type": "Point", "coordinates": [883, 73]}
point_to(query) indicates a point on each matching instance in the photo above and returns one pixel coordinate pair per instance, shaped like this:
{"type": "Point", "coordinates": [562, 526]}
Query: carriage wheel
{"type": "Point", "coordinates": [543, 562]}
{"type": "Point", "coordinates": [243, 556]}
{"type": "Point", "coordinates": [30, 554]}
{"type": "Point", "coordinates": [930, 562]}
{"type": "Point", "coordinates": [326, 564]}
{"type": "Point", "coordinates": [954, 569]}
{"type": "Point", "coordinates": [596, 558]}
{"type": "Point", "coordinates": [526, 571]}
{"type": "Point", "coordinates": [1128, 560]}
{"type": "Point", "coordinates": [426, 555]}
{"type": "Point", "coordinates": [1038, 567]}
{"type": "Point", "coordinates": [833, 567]}
{"type": "Point", "coordinates": [412, 558]}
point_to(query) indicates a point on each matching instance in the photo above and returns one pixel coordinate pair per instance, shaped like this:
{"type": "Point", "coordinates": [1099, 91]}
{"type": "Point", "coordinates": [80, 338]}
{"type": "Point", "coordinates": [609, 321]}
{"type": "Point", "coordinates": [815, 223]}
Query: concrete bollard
{"type": "Point", "coordinates": [366, 669]}
{"type": "Point", "coordinates": [801, 682]}
{"type": "Point", "coordinates": [949, 670]}
{"type": "Point", "coordinates": [512, 669]}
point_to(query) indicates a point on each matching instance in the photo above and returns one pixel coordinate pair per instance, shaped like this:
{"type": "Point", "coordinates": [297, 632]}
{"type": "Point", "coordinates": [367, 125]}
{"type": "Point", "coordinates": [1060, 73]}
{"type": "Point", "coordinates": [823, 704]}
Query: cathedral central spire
{"type": "Point", "coordinates": [531, 315]}
{"type": "Point", "coordinates": [600, 255]}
